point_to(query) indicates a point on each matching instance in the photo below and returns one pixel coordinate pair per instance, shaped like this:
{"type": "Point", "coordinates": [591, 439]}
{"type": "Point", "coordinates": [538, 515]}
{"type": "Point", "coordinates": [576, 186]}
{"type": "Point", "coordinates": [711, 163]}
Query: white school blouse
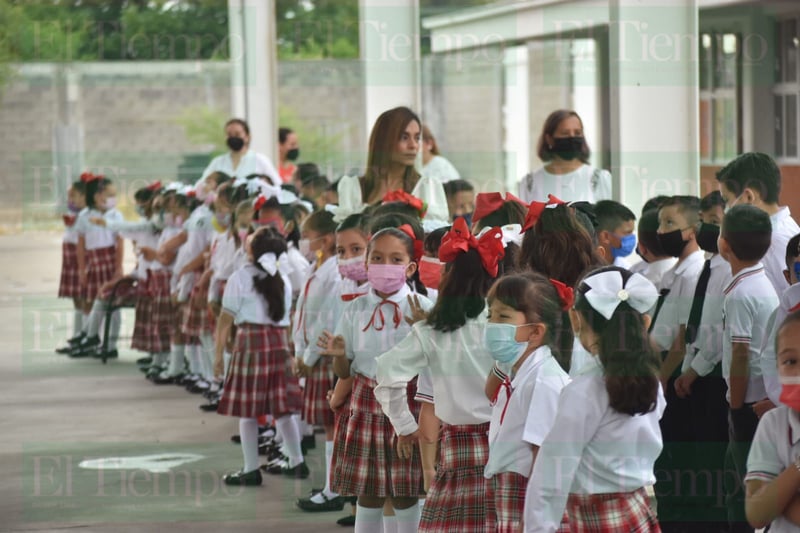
{"type": "Point", "coordinates": [372, 326]}
{"type": "Point", "coordinates": [198, 230]}
{"type": "Point", "coordinates": [706, 350]}
{"type": "Point", "coordinates": [591, 449]}
{"type": "Point", "coordinates": [524, 415]}
{"type": "Point", "coordinates": [584, 184]}
{"type": "Point", "coordinates": [750, 299]}
{"type": "Point", "coordinates": [681, 281]}
{"type": "Point", "coordinates": [789, 302]}
{"type": "Point", "coordinates": [440, 169]}
{"type": "Point", "coordinates": [775, 446]}
{"type": "Point", "coordinates": [317, 309]}
{"type": "Point", "coordinates": [457, 363]}
{"type": "Point", "coordinates": [96, 237]}
{"type": "Point", "coordinates": [71, 232]}
{"type": "Point", "coordinates": [299, 268]}
{"type": "Point", "coordinates": [248, 305]}
{"type": "Point", "coordinates": [250, 163]}
{"type": "Point", "coordinates": [166, 234]}
{"type": "Point", "coordinates": [784, 228]}
{"type": "Point", "coordinates": [223, 249]}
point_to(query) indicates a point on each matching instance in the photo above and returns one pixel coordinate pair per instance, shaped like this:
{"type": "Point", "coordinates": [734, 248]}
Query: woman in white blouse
{"type": "Point", "coordinates": [434, 164]}
{"type": "Point", "coordinates": [241, 162]}
{"type": "Point", "coordinates": [566, 173]}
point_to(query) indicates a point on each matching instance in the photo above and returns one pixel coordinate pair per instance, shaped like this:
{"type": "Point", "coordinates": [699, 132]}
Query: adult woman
{"type": "Point", "coordinates": [433, 164]}
{"type": "Point", "coordinates": [288, 152]}
{"type": "Point", "coordinates": [240, 161]}
{"type": "Point", "coordinates": [393, 147]}
{"type": "Point", "coordinates": [566, 173]}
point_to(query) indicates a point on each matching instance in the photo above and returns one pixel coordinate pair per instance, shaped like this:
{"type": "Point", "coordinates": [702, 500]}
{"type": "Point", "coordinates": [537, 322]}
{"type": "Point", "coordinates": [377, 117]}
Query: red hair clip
{"type": "Point", "coordinates": [536, 209]}
{"type": "Point", "coordinates": [87, 177]}
{"type": "Point", "coordinates": [155, 186]}
{"type": "Point", "coordinates": [487, 203]}
{"type": "Point", "coordinates": [459, 240]}
{"type": "Point", "coordinates": [259, 203]}
{"type": "Point", "coordinates": [402, 196]}
{"type": "Point", "coordinates": [565, 294]}
{"type": "Point", "coordinates": [418, 246]}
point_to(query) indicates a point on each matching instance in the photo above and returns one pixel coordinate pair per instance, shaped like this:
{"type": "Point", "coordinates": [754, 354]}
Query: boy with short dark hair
{"type": "Point", "coordinates": [616, 225]}
{"type": "Point", "coordinates": [754, 178]}
{"type": "Point", "coordinates": [655, 262]}
{"type": "Point", "coordinates": [750, 299]}
{"type": "Point", "coordinates": [460, 199]}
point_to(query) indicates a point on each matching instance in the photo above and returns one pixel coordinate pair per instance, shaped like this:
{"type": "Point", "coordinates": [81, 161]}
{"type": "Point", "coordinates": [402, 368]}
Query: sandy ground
{"type": "Point", "coordinates": [57, 413]}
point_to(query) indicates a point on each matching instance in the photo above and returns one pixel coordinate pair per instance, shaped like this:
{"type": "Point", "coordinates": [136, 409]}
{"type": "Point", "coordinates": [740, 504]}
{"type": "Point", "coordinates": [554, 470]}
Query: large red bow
{"type": "Point", "coordinates": [536, 209]}
{"type": "Point", "coordinates": [155, 186]}
{"type": "Point", "coordinates": [402, 196]}
{"type": "Point", "coordinates": [418, 245]}
{"type": "Point", "coordinates": [86, 177]}
{"type": "Point", "coordinates": [459, 240]}
{"type": "Point", "coordinates": [565, 294]}
{"type": "Point", "coordinates": [260, 201]}
{"type": "Point", "coordinates": [487, 203]}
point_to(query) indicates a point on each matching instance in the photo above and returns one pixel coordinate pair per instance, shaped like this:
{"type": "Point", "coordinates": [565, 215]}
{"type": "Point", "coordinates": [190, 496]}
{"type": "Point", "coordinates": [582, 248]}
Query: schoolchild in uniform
{"type": "Point", "coordinates": [69, 286]}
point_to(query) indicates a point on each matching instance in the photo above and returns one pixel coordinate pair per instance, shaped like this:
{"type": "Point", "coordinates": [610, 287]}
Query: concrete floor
{"type": "Point", "coordinates": [57, 412]}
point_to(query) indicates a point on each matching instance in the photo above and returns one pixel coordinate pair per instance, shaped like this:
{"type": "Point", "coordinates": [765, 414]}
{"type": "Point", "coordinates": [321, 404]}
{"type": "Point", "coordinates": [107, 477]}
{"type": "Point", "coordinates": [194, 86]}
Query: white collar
{"type": "Point", "coordinates": [782, 213]}
{"type": "Point", "coordinates": [533, 361]}
{"type": "Point", "coordinates": [693, 257]}
{"type": "Point", "coordinates": [794, 425]}
{"type": "Point", "coordinates": [790, 297]}
{"type": "Point", "coordinates": [718, 260]}
{"type": "Point", "coordinates": [399, 297]}
{"type": "Point", "coordinates": [742, 273]}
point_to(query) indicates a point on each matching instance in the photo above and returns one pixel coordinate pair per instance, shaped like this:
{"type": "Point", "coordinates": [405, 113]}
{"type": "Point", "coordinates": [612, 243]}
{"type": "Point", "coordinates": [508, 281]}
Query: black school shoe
{"type": "Point", "coordinates": [210, 407]}
{"type": "Point", "coordinates": [300, 471]}
{"type": "Point", "coordinates": [71, 343]}
{"type": "Point", "coordinates": [347, 521]}
{"type": "Point", "coordinates": [332, 504]}
{"type": "Point", "coordinates": [248, 479]}
{"type": "Point", "coordinates": [86, 347]}
{"type": "Point", "coordinates": [165, 379]}
{"type": "Point", "coordinates": [309, 442]}
{"type": "Point", "coordinates": [110, 354]}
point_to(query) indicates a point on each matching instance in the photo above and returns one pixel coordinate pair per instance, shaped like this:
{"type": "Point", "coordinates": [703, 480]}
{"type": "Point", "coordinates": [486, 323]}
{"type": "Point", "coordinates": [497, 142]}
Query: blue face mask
{"type": "Point", "coordinates": [627, 244]}
{"type": "Point", "coordinates": [797, 270]}
{"type": "Point", "coordinates": [500, 340]}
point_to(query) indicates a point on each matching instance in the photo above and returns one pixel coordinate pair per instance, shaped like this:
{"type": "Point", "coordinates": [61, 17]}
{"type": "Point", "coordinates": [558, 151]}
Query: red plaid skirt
{"type": "Point", "coordinates": [508, 489]}
{"type": "Point", "coordinates": [70, 286]}
{"type": "Point", "coordinates": [368, 464]}
{"type": "Point", "coordinates": [100, 266]}
{"type": "Point", "coordinates": [316, 408]}
{"type": "Point", "coordinates": [620, 512]}
{"type": "Point", "coordinates": [161, 322]}
{"type": "Point", "coordinates": [144, 313]}
{"type": "Point", "coordinates": [459, 497]}
{"type": "Point", "coordinates": [197, 318]}
{"type": "Point", "coordinates": [259, 379]}
{"type": "Point", "coordinates": [341, 417]}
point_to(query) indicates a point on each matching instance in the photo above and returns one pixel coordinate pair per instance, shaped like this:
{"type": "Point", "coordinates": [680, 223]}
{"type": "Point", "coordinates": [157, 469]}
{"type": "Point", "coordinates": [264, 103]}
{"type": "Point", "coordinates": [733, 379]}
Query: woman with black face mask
{"type": "Point", "coordinates": [240, 162]}
{"type": "Point", "coordinates": [566, 173]}
{"type": "Point", "coordinates": [288, 152]}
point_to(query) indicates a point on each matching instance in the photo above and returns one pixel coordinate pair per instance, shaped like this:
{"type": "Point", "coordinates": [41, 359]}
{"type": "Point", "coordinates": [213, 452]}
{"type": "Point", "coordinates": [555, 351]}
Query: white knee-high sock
{"type": "Point", "coordinates": [326, 492]}
{"type": "Point", "coordinates": [85, 323]}
{"type": "Point", "coordinates": [389, 524]}
{"type": "Point", "coordinates": [176, 359]}
{"type": "Point", "coordinates": [287, 426]}
{"type": "Point", "coordinates": [207, 353]}
{"type": "Point", "coordinates": [77, 322]}
{"type": "Point", "coordinates": [160, 358]}
{"type": "Point", "coordinates": [113, 330]}
{"type": "Point", "coordinates": [368, 520]}
{"type": "Point", "coordinates": [408, 519]}
{"type": "Point", "coordinates": [248, 431]}
{"type": "Point", "coordinates": [226, 360]}
{"type": "Point", "coordinates": [194, 359]}
{"type": "Point", "coordinates": [95, 318]}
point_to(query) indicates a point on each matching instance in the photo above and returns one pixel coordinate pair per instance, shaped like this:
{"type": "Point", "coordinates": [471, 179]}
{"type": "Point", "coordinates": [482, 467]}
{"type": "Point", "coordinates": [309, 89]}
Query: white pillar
{"type": "Point", "coordinates": [390, 52]}
{"type": "Point", "coordinates": [254, 70]}
{"type": "Point", "coordinates": [653, 99]}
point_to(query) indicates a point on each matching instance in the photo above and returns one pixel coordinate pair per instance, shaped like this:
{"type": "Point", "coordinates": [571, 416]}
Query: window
{"type": "Point", "coordinates": [720, 139]}
{"type": "Point", "coordinates": [787, 89]}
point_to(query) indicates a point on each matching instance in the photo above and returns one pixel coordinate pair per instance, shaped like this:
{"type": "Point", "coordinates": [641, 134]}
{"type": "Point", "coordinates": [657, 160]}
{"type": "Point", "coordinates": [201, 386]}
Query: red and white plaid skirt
{"type": "Point", "coordinates": [100, 267]}
{"type": "Point", "coordinates": [368, 463]}
{"type": "Point", "coordinates": [197, 318]}
{"type": "Point", "coordinates": [70, 285]}
{"type": "Point", "coordinates": [620, 512]}
{"type": "Point", "coordinates": [508, 489]}
{"type": "Point", "coordinates": [459, 498]}
{"type": "Point", "coordinates": [316, 408]}
{"type": "Point", "coordinates": [161, 323]}
{"type": "Point", "coordinates": [143, 315]}
{"type": "Point", "coordinates": [259, 379]}
{"type": "Point", "coordinates": [341, 417]}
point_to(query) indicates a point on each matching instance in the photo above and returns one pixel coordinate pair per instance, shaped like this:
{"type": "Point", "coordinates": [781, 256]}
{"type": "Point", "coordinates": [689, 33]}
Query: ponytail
{"type": "Point", "coordinates": [271, 287]}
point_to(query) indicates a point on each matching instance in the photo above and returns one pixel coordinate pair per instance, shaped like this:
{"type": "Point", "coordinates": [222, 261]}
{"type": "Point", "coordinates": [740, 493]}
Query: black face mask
{"type": "Point", "coordinates": [707, 237]}
{"type": "Point", "coordinates": [567, 148]}
{"type": "Point", "coordinates": [235, 143]}
{"type": "Point", "coordinates": [672, 243]}
{"type": "Point", "coordinates": [293, 154]}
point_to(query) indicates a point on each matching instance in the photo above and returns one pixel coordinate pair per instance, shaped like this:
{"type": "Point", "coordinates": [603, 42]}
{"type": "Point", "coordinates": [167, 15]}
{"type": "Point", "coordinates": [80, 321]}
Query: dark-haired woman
{"type": "Point", "coordinates": [600, 453]}
{"type": "Point", "coordinates": [240, 161]}
{"type": "Point", "coordinates": [259, 380]}
{"type": "Point", "coordinates": [449, 344]}
{"type": "Point", "coordinates": [567, 173]}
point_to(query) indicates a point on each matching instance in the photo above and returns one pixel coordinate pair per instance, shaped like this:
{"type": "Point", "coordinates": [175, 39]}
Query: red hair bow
{"type": "Point", "coordinates": [565, 294]}
{"type": "Point", "coordinates": [402, 196]}
{"type": "Point", "coordinates": [155, 186]}
{"type": "Point", "coordinates": [86, 177]}
{"type": "Point", "coordinates": [418, 246]}
{"type": "Point", "coordinates": [459, 240]}
{"type": "Point", "coordinates": [536, 209]}
{"type": "Point", "coordinates": [487, 203]}
{"type": "Point", "coordinates": [260, 201]}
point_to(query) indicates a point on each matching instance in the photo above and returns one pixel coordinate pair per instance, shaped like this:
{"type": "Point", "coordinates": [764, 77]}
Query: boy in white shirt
{"type": "Point", "coordinates": [749, 301]}
{"type": "Point", "coordinates": [655, 262]}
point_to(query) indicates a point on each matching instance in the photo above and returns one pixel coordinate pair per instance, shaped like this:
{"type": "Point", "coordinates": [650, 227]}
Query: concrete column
{"type": "Point", "coordinates": [254, 70]}
{"type": "Point", "coordinates": [390, 52]}
{"type": "Point", "coordinates": [653, 99]}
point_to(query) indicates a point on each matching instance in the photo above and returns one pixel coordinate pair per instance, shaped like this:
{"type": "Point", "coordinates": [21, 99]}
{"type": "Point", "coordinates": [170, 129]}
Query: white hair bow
{"type": "Point", "coordinates": [350, 199]}
{"type": "Point", "coordinates": [273, 264]}
{"type": "Point", "coordinates": [512, 233]}
{"type": "Point", "coordinates": [606, 292]}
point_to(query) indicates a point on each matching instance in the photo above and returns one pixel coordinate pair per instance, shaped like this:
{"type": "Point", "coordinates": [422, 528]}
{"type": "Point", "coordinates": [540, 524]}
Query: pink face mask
{"type": "Point", "coordinates": [387, 278]}
{"type": "Point", "coordinates": [354, 268]}
{"type": "Point", "coordinates": [790, 392]}
{"type": "Point", "coordinates": [243, 235]}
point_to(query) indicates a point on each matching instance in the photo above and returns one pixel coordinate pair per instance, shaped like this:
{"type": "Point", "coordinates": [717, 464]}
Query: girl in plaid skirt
{"type": "Point", "coordinates": [370, 466]}
{"type": "Point", "coordinates": [449, 345]}
{"type": "Point", "coordinates": [316, 311]}
{"type": "Point", "coordinates": [69, 287]}
{"type": "Point", "coordinates": [525, 319]}
{"type": "Point", "coordinates": [600, 453]}
{"type": "Point", "coordinates": [259, 379]}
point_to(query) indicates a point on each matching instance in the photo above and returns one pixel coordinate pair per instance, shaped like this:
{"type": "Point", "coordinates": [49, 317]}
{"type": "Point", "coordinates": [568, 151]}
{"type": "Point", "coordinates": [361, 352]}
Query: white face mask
{"type": "Point", "coordinates": [111, 202]}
